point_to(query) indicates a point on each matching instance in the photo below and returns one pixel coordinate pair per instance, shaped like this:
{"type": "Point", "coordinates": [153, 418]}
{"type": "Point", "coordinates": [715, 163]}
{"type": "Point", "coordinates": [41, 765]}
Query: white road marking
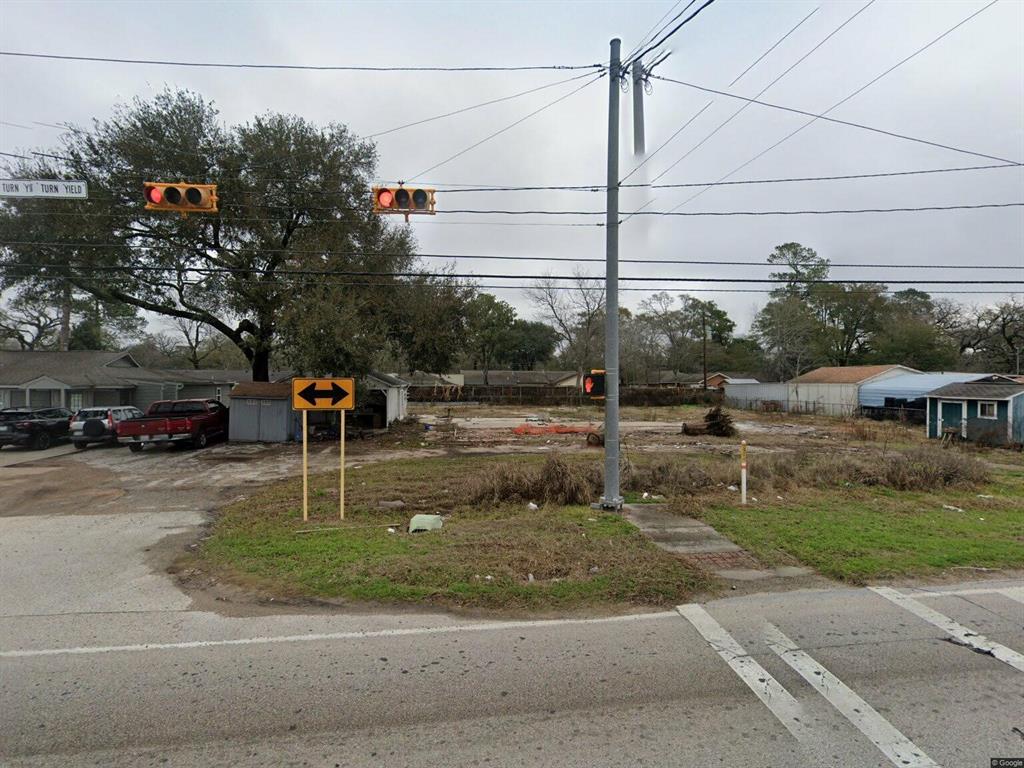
{"type": "Point", "coordinates": [1013, 593]}
{"type": "Point", "coordinates": [771, 693]}
{"type": "Point", "coordinates": [900, 750]}
{"type": "Point", "coordinates": [311, 637]}
{"type": "Point", "coordinates": [958, 631]}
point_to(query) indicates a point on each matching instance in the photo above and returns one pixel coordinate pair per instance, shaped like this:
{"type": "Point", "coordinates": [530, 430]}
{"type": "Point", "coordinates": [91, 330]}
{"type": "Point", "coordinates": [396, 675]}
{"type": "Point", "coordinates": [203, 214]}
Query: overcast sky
{"type": "Point", "coordinates": [966, 91]}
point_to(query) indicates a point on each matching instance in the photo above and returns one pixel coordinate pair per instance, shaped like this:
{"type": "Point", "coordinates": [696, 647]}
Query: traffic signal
{"type": "Point", "coordinates": [593, 385]}
{"type": "Point", "coordinates": [403, 200]}
{"type": "Point", "coordinates": [182, 198]}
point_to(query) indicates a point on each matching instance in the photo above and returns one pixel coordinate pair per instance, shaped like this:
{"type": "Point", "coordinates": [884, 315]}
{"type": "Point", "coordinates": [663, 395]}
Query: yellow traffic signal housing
{"type": "Point", "coordinates": [403, 200]}
{"type": "Point", "coordinates": [183, 198]}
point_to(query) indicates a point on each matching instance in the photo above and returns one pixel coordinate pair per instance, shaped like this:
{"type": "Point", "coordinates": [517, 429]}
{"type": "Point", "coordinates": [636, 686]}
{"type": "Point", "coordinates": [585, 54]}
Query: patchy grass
{"type": "Point", "coordinates": [483, 557]}
{"type": "Point", "coordinates": [868, 533]}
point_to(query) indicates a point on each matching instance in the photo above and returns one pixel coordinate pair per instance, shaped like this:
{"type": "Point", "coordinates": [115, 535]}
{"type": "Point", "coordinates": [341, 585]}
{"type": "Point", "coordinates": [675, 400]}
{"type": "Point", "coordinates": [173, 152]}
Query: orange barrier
{"type": "Point", "coordinates": [551, 429]}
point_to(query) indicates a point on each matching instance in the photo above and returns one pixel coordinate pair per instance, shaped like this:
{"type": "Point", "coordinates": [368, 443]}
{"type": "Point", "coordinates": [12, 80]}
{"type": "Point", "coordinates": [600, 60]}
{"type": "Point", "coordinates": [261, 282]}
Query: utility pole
{"type": "Point", "coordinates": [612, 498]}
{"type": "Point", "coordinates": [639, 149]}
{"type": "Point", "coordinates": [704, 333]}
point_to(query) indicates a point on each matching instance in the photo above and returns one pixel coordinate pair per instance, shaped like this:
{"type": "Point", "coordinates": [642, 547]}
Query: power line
{"type": "Point", "coordinates": [652, 289]}
{"type": "Point", "coordinates": [474, 106]}
{"type": "Point", "coordinates": [550, 104]}
{"type": "Point", "coordinates": [837, 121]}
{"type": "Point", "coordinates": [842, 101]}
{"type": "Point", "coordinates": [501, 257]}
{"type": "Point", "coordinates": [650, 34]}
{"type": "Point", "coordinates": [319, 68]}
{"type": "Point", "coordinates": [706, 106]}
{"type": "Point", "coordinates": [776, 80]}
{"type": "Point", "coordinates": [665, 37]}
{"type": "Point", "coordinates": [490, 276]}
{"type": "Point", "coordinates": [541, 212]}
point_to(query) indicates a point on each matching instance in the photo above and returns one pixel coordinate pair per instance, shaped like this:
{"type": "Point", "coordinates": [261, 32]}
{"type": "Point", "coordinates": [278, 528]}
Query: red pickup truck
{"type": "Point", "coordinates": [189, 422]}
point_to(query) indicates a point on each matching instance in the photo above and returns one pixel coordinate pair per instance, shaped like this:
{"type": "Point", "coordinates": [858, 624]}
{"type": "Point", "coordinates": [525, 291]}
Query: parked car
{"type": "Point", "coordinates": [37, 428]}
{"type": "Point", "coordinates": [99, 425]}
{"type": "Point", "coordinates": [188, 422]}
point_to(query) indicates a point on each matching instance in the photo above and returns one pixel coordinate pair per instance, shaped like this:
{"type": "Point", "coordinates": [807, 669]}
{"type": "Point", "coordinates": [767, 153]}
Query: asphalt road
{"type": "Point", "coordinates": [104, 661]}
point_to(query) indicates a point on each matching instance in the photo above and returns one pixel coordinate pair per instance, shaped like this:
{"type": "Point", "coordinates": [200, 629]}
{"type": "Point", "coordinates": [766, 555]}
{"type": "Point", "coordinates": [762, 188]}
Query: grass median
{"type": "Point", "coordinates": [488, 555]}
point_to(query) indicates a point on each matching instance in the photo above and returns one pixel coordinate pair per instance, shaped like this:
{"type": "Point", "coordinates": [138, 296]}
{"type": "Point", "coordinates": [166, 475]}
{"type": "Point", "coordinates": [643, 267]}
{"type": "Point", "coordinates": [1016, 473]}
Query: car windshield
{"type": "Point", "coordinates": [91, 413]}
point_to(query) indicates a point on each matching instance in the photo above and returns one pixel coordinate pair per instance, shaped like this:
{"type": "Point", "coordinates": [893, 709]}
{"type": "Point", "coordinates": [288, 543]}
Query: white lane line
{"type": "Point", "coordinates": [771, 693]}
{"type": "Point", "coordinates": [311, 637]}
{"type": "Point", "coordinates": [900, 750]}
{"type": "Point", "coordinates": [959, 632]}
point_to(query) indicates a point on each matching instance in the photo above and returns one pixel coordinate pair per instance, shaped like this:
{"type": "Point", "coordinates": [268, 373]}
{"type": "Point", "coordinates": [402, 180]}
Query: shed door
{"type": "Point", "coordinates": [952, 415]}
{"type": "Point", "coordinates": [272, 427]}
{"type": "Point", "coordinates": [244, 424]}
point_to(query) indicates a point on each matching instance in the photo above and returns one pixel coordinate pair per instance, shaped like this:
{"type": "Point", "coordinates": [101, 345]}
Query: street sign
{"type": "Point", "coordinates": [55, 188]}
{"type": "Point", "coordinates": [323, 394]}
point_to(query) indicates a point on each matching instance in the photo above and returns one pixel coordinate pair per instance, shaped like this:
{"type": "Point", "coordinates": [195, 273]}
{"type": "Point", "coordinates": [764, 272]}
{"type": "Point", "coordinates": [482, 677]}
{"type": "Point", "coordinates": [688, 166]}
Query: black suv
{"type": "Point", "coordinates": [37, 428]}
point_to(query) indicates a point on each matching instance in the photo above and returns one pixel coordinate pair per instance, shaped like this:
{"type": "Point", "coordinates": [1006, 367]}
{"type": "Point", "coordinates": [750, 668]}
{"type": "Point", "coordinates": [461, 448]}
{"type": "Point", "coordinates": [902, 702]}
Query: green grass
{"type": "Point", "coordinates": [578, 557]}
{"type": "Point", "coordinates": [863, 534]}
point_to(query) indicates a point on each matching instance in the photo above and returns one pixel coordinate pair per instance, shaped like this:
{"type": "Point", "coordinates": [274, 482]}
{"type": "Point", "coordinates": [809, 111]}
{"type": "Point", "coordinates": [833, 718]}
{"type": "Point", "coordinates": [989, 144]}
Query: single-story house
{"type": "Point", "coordinates": [908, 392]}
{"type": "Point", "coordinates": [673, 379]}
{"type": "Point", "coordinates": [990, 411]}
{"type": "Point", "coordinates": [79, 379]}
{"type": "Point", "coordinates": [439, 380]}
{"type": "Point", "coordinates": [561, 379]}
{"type": "Point", "coordinates": [831, 390]}
{"type": "Point", "coordinates": [718, 380]}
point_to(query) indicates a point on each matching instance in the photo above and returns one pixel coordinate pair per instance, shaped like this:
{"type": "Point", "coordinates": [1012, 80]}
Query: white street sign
{"type": "Point", "coordinates": [75, 190]}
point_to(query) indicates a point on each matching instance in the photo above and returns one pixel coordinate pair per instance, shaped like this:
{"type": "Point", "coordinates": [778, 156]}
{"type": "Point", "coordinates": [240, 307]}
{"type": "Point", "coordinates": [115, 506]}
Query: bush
{"type": "Point", "coordinates": [554, 482]}
{"type": "Point", "coordinates": [719, 423]}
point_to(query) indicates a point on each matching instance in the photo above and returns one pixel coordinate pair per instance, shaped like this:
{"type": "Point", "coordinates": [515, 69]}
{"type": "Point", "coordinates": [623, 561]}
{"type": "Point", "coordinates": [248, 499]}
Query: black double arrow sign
{"type": "Point", "coordinates": [311, 394]}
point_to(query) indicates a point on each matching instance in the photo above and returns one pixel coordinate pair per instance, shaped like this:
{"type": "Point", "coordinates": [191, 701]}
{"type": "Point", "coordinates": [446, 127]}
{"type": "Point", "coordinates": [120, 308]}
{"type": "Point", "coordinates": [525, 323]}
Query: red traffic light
{"type": "Point", "coordinates": [154, 195]}
{"type": "Point", "coordinates": [385, 198]}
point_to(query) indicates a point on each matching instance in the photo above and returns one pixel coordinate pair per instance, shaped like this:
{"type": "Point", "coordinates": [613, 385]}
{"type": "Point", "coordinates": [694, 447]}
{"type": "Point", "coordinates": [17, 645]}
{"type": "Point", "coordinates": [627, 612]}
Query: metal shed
{"type": "Point", "coordinates": [261, 412]}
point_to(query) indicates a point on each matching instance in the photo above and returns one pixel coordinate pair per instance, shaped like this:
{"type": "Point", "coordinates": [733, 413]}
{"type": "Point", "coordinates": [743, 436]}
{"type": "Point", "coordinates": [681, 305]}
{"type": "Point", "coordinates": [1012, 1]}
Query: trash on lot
{"type": "Point", "coordinates": [392, 530]}
{"type": "Point", "coordinates": [531, 506]}
{"type": "Point", "coordinates": [951, 508]}
{"type": "Point", "coordinates": [594, 569]}
{"type": "Point", "coordinates": [488, 578]}
{"type": "Point", "coordinates": [529, 577]}
{"type": "Point", "coordinates": [397, 504]}
{"type": "Point", "coordinates": [985, 496]}
{"type": "Point", "coordinates": [733, 488]}
{"type": "Point", "coordinates": [425, 523]}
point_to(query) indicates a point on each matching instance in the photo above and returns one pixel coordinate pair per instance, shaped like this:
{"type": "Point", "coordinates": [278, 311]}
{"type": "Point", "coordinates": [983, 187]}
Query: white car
{"type": "Point", "coordinates": [99, 425]}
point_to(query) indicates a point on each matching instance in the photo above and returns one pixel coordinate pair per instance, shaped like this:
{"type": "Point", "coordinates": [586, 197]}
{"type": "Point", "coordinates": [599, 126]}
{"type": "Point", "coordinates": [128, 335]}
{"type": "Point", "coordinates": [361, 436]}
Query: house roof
{"type": "Point", "coordinates": [846, 374]}
{"type": "Point", "coordinates": [978, 390]}
{"type": "Point", "coordinates": [517, 378]}
{"type": "Point", "coordinates": [387, 378]}
{"type": "Point", "coordinates": [910, 386]}
{"type": "Point", "coordinates": [267, 390]}
{"type": "Point", "coordinates": [77, 368]}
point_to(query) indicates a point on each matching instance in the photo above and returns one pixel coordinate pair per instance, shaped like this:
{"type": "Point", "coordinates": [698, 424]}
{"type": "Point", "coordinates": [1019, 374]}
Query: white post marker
{"type": "Point", "coordinates": [743, 472]}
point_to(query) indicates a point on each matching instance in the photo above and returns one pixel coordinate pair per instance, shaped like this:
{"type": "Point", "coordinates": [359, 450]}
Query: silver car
{"type": "Point", "coordinates": [99, 425]}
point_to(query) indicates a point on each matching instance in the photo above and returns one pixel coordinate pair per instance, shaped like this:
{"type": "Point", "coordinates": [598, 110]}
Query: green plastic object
{"type": "Point", "coordinates": [425, 523]}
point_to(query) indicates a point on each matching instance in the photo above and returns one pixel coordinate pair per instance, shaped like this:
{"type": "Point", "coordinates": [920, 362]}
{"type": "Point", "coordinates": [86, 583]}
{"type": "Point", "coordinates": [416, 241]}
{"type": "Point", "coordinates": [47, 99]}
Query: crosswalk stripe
{"type": "Point", "coordinates": [959, 632]}
{"type": "Point", "coordinates": [894, 745]}
{"type": "Point", "coordinates": [771, 693]}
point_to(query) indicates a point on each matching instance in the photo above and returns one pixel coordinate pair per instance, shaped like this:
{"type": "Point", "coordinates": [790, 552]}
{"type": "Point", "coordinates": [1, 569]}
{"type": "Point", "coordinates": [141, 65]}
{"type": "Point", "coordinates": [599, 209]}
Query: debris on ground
{"type": "Point", "coordinates": [531, 506]}
{"type": "Point", "coordinates": [425, 523]}
{"type": "Point", "coordinates": [595, 440]}
{"type": "Point", "coordinates": [951, 508]}
{"type": "Point", "coordinates": [397, 504]}
{"type": "Point", "coordinates": [551, 429]}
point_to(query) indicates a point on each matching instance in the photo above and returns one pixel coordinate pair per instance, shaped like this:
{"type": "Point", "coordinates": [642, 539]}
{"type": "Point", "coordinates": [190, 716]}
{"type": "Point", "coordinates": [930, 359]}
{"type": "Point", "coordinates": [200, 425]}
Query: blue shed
{"type": "Point", "coordinates": [904, 395]}
{"type": "Point", "coordinates": [989, 411]}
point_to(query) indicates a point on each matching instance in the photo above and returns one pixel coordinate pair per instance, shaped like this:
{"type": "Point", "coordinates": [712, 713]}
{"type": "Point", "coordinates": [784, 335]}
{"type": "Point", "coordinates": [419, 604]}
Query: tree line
{"type": "Point", "coordinates": [253, 286]}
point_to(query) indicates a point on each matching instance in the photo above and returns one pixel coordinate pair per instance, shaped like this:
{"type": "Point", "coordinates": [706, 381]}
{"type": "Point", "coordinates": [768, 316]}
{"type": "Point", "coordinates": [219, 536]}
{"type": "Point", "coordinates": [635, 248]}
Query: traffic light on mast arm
{"type": "Point", "coordinates": [593, 385]}
{"type": "Point", "coordinates": [403, 200]}
{"type": "Point", "coordinates": [183, 198]}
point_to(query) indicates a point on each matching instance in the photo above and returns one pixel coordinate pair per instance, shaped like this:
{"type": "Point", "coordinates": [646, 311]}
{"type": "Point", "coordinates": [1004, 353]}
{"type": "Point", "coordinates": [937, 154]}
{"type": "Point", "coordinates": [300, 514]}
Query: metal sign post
{"type": "Point", "coordinates": [323, 395]}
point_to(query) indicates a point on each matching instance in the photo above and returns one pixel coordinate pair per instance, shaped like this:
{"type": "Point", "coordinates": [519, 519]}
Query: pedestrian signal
{"type": "Point", "coordinates": [593, 385]}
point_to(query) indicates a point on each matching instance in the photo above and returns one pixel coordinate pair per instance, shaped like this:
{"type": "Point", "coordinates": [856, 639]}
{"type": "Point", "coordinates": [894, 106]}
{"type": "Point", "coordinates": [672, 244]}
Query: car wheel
{"type": "Point", "coordinates": [41, 441]}
{"type": "Point", "coordinates": [81, 446]}
{"type": "Point", "coordinates": [200, 440]}
{"type": "Point", "coordinates": [134, 447]}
